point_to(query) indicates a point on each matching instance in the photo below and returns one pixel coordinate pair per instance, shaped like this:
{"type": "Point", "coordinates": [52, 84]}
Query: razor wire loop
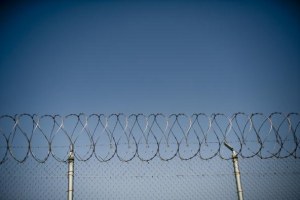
{"type": "Point", "coordinates": [149, 136]}
{"type": "Point", "coordinates": [6, 151]}
{"type": "Point", "coordinates": [199, 142]}
{"type": "Point", "coordinates": [283, 139]}
{"type": "Point", "coordinates": [245, 135]}
{"type": "Point", "coordinates": [144, 136]}
{"type": "Point", "coordinates": [124, 131]}
{"type": "Point", "coordinates": [237, 132]}
{"type": "Point", "coordinates": [36, 124]}
{"type": "Point", "coordinates": [223, 133]}
{"type": "Point", "coordinates": [83, 130]}
{"type": "Point", "coordinates": [164, 142]}
{"type": "Point", "coordinates": [13, 135]}
{"type": "Point", "coordinates": [150, 132]}
{"type": "Point", "coordinates": [294, 130]}
{"type": "Point", "coordinates": [184, 142]}
{"type": "Point", "coordinates": [265, 139]}
{"type": "Point", "coordinates": [112, 142]}
{"type": "Point", "coordinates": [55, 133]}
{"type": "Point", "coordinates": [205, 143]}
{"type": "Point", "coordinates": [279, 139]}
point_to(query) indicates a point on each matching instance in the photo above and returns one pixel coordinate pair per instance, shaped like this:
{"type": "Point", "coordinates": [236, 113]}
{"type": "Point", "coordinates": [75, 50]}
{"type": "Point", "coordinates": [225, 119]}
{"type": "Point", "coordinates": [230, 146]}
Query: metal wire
{"type": "Point", "coordinates": [148, 136]}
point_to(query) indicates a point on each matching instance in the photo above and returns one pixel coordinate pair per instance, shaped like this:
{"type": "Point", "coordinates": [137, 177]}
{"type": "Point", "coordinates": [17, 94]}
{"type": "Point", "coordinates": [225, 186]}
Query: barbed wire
{"type": "Point", "coordinates": [148, 136]}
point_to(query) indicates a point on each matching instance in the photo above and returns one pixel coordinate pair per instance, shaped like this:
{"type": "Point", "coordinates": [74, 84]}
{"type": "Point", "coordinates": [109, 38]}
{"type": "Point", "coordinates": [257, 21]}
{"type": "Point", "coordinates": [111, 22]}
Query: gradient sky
{"type": "Point", "coordinates": [149, 56]}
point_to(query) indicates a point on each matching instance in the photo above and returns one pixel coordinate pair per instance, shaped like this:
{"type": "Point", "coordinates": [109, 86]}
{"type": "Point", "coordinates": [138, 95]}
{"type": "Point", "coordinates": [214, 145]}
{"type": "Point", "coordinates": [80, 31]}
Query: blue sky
{"type": "Point", "coordinates": [149, 56]}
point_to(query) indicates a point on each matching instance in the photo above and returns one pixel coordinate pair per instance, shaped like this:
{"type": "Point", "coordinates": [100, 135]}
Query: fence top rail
{"type": "Point", "coordinates": [145, 137]}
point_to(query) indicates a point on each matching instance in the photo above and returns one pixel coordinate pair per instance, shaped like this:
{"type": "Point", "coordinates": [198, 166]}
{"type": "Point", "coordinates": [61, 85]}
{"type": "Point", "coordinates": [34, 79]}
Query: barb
{"type": "Point", "coordinates": [148, 136]}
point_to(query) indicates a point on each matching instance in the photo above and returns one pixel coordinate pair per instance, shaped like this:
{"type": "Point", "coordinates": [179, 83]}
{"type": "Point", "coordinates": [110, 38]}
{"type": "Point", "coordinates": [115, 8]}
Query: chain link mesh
{"type": "Point", "coordinates": [32, 180]}
{"type": "Point", "coordinates": [175, 179]}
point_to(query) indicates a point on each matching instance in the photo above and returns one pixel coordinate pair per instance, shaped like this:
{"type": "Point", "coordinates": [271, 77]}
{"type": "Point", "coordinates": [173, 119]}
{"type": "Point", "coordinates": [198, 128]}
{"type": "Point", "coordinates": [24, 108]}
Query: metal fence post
{"type": "Point", "coordinates": [71, 174]}
{"type": "Point", "coordinates": [237, 173]}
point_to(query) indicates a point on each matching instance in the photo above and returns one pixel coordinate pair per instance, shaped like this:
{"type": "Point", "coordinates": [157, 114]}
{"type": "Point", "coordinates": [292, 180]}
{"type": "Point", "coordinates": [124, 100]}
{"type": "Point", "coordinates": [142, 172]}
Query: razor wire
{"type": "Point", "coordinates": [148, 136]}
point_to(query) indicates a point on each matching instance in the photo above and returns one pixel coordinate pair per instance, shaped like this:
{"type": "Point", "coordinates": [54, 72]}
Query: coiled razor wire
{"type": "Point", "coordinates": [148, 136]}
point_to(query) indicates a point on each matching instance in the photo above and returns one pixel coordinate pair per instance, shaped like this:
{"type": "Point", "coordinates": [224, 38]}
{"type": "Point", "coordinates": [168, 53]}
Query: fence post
{"type": "Point", "coordinates": [71, 173]}
{"type": "Point", "coordinates": [237, 173]}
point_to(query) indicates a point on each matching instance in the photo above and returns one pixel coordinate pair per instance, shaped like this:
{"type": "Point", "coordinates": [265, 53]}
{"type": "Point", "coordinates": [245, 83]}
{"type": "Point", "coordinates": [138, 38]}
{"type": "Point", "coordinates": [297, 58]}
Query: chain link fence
{"type": "Point", "coordinates": [175, 179]}
{"type": "Point", "coordinates": [171, 157]}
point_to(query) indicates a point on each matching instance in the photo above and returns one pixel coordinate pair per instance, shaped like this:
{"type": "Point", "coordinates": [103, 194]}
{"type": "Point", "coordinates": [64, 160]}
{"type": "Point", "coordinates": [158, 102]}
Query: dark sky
{"type": "Point", "coordinates": [149, 56]}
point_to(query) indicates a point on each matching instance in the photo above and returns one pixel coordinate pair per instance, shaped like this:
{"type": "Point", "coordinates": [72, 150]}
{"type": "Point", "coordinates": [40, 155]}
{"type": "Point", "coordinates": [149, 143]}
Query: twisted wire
{"type": "Point", "coordinates": [148, 136]}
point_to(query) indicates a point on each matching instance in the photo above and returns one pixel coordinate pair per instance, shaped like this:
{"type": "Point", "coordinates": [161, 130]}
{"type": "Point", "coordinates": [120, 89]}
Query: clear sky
{"type": "Point", "coordinates": [149, 56]}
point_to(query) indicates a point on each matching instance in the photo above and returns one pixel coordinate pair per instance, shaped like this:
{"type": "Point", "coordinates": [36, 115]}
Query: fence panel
{"type": "Point", "coordinates": [150, 157]}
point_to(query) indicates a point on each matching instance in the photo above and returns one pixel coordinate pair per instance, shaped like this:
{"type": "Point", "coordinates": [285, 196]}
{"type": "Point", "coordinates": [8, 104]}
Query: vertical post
{"type": "Point", "coordinates": [71, 174]}
{"type": "Point", "coordinates": [237, 175]}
